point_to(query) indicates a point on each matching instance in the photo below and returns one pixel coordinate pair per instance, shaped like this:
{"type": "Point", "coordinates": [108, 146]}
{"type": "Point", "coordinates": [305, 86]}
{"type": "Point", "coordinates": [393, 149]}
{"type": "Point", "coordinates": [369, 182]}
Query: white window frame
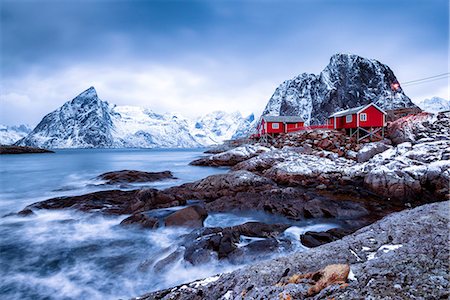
{"type": "Point", "coordinates": [275, 125]}
{"type": "Point", "coordinates": [363, 117]}
{"type": "Point", "coordinates": [348, 118]}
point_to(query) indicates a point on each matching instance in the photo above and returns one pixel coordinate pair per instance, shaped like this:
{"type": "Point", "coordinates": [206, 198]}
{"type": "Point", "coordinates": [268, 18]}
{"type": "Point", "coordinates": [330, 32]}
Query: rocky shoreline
{"type": "Point", "coordinates": [6, 149]}
{"type": "Point", "coordinates": [402, 256]}
{"type": "Point", "coordinates": [309, 175]}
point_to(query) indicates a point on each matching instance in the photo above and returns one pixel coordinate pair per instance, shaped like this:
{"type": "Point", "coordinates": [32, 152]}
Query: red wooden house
{"type": "Point", "coordinates": [272, 125]}
{"type": "Point", "coordinates": [367, 120]}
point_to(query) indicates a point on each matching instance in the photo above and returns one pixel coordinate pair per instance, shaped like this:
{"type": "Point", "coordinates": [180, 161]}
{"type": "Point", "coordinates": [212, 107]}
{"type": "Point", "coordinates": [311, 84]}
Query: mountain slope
{"type": "Point", "coordinates": [11, 134]}
{"type": "Point", "coordinates": [434, 105]}
{"type": "Point", "coordinates": [88, 122]}
{"type": "Point", "coordinates": [83, 122]}
{"type": "Point", "coordinates": [347, 81]}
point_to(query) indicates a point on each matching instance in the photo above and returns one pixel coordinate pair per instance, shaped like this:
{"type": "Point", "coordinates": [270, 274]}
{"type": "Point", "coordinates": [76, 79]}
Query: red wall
{"type": "Point", "coordinates": [279, 130]}
{"type": "Point", "coordinates": [352, 124]}
{"type": "Point", "coordinates": [331, 122]}
{"type": "Point", "coordinates": [374, 118]}
{"type": "Point", "coordinates": [291, 126]}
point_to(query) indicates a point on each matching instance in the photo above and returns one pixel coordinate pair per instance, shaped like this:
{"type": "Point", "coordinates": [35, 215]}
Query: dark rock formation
{"type": "Point", "coordinates": [314, 239]}
{"type": "Point", "coordinates": [403, 256]}
{"type": "Point", "coordinates": [191, 216]}
{"type": "Point", "coordinates": [4, 149]}
{"type": "Point", "coordinates": [205, 244]}
{"type": "Point", "coordinates": [112, 202]}
{"type": "Point", "coordinates": [141, 220]}
{"type": "Point", "coordinates": [128, 176]}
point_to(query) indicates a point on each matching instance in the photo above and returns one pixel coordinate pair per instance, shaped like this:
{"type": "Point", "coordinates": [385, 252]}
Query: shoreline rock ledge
{"type": "Point", "coordinates": [402, 256]}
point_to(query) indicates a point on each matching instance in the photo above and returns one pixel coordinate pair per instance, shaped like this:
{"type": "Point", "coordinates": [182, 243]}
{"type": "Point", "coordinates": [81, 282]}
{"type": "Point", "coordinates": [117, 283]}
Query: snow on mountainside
{"type": "Point", "coordinates": [88, 122]}
{"type": "Point", "coordinates": [11, 134]}
{"type": "Point", "coordinates": [348, 81]}
{"type": "Point", "coordinates": [434, 105]}
{"type": "Point", "coordinates": [219, 126]}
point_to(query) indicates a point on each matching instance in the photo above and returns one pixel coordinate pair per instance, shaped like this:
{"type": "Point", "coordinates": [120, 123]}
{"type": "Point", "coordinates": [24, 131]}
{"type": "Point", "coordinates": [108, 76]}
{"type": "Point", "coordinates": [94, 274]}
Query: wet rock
{"type": "Point", "coordinates": [258, 229]}
{"type": "Point", "coordinates": [406, 249]}
{"type": "Point", "coordinates": [141, 220]}
{"type": "Point", "coordinates": [113, 201]}
{"type": "Point", "coordinates": [25, 212]}
{"type": "Point", "coordinates": [130, 176]}
{"type": "Point", "coordinates": [224, 243]}
{"type": "Point", "coordinates": [192, 216]}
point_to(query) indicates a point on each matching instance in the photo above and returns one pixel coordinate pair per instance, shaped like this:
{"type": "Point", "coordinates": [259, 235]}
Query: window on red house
{"type": "Point", "coordinates": [363, 117]}
{"type": "Point", "coordinates": [275, 126]}
{"type": "Point", "coordinates": [348, 119]}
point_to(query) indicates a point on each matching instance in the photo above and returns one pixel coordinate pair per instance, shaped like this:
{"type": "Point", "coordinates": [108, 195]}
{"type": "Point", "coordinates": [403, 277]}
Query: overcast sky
{"type": "Point", "coordinates": [195, 57]}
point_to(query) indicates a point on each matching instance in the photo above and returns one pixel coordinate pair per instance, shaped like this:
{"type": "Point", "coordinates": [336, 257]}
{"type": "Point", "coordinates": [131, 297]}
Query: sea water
{"type": "Point", "coordinates": [66, 254]}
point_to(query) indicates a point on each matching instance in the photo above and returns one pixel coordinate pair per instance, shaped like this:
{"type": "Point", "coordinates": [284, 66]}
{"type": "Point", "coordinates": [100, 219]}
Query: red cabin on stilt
{"type": "Point", "coordinates": [366, 121]}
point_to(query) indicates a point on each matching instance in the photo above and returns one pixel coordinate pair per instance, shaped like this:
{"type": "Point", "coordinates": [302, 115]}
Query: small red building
{"type": "Point", "coordinates": [279, 124]}
{"type": "Point", "coordinates": [369, 119]}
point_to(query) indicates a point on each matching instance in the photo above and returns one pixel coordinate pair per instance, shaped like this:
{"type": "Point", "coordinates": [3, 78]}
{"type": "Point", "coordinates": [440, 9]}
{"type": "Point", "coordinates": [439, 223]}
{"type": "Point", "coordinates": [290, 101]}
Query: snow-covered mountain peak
{"type": "Point", "coordinates": [89, 93]}
{"type": "Point", "coordinates": [88, 122]}
{"type": "Point", "coordinates": [347, 81]}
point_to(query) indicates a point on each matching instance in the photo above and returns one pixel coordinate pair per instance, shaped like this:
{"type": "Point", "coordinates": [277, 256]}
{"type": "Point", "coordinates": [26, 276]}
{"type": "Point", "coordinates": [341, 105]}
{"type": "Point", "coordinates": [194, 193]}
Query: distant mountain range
{"type": "Point", "coordinates": [434, 105]}
{"type": "Point", "coordinates": [347, 81]}
{"type": "Point", "coordinates": [88, 122]}
{"type": "Point", "coordinates": [11, 134]}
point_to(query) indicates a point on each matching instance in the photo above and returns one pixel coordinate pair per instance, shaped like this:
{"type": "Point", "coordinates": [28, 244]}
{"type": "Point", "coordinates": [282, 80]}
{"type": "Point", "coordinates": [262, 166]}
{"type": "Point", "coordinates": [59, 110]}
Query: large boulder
{"type": "Point", "coordinates": [206, 244]}
{"type": "Point", "coordinates": [191, 216]}
{"type": "Point", "coordinates": [113, 201]}
{"type": "Point", "coordinates": [140, 220]}
{"type": "Point", "coordinates": [369, 150]}
{"type": "Point", "coordinates": [129, 176]}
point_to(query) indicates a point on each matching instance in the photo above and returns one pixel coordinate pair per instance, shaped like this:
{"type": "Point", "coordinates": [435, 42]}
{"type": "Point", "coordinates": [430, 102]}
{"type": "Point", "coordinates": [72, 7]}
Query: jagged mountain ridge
{"type": "Point", "coordinates": [347, 81]}
{"type": "Point", "coordinates": [88, 122]}
{"type": "Point", "coordinates": [11, 134]}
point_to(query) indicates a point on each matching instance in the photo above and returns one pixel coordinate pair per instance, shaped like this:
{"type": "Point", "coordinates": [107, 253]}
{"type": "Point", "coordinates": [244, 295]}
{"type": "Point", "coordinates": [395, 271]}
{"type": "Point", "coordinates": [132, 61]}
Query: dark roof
{"type": "Point", "coordinates": [354, 110]}
{"type": "Point", "coordinates": [285, 119]}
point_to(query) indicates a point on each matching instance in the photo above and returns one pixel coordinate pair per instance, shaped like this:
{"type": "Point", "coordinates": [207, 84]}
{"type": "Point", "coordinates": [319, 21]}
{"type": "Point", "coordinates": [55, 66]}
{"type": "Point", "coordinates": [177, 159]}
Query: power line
{"type": "Point", "coordinates": [443, 75]}
{"type": "Point", "coordinates": [424, 81]}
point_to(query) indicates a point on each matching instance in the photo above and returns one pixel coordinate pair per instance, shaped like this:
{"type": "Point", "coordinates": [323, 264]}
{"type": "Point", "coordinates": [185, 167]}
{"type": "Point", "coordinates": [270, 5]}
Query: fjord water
{"type": "Point", "coordinates": [66, 254]}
